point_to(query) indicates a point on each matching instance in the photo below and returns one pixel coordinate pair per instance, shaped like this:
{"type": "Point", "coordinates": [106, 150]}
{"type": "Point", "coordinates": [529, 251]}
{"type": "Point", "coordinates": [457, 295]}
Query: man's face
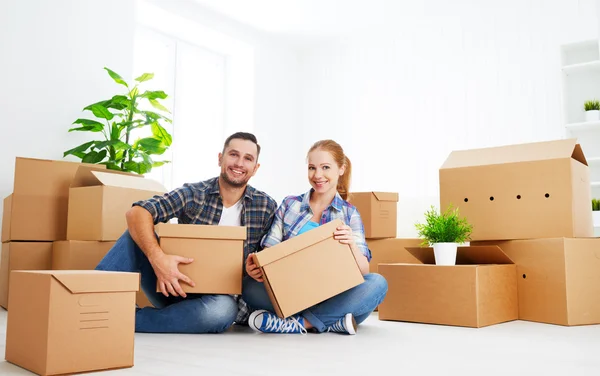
{"type": "Point", "coordinates": [239, 162]}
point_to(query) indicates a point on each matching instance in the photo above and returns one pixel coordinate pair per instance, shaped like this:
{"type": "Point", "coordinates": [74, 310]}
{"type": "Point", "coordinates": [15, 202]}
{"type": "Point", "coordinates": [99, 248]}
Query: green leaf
{"type": "Point", "coordinates": [118, 79]}
{"type": "Point", "coordinates": [102, 112]}
{"type": "Point", "coordinates": [153, 116]}
{"type": "Point", "coordinates": [77, 151]}
{"type": "Point", "coordinates": [151, 145]}
{"type": "Point", "coordinates": [88, 125]}
{"type": "Point", "coordinates": [161, 133]}
{"type": "Point", "coordinates": [119, 102]}
{"type": "Point", "coordinates": [160, 163]}
{"type": "Point", "coordinates": [137, 167]}
{"type": "Point", "coordinates": [157, 105]}
{"type": "Point", "coordinates": [134, 92]}
{"type": "Point", "coordinates": [159, 94]}
{"type": "Point", "coordinates": [94, 157]}
{"type": "Point", "coordinates": [447, 227]}
{"type": "Point", "coordinates": [145, 77]}
{"type": "Point", "coordinates": [117, 144]}
{"type": "Point", "coordinates": [111, 165]}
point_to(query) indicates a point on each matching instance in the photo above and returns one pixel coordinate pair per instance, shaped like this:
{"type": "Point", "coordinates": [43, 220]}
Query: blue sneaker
{"type": "Point", "coordinates": [346, 325]}
{"type": "Point", "coordinates": [268, 322]}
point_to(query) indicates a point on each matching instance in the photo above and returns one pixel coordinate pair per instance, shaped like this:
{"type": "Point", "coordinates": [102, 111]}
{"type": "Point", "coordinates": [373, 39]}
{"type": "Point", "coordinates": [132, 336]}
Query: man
{"type": "Point", "coordinates": [226, 200]}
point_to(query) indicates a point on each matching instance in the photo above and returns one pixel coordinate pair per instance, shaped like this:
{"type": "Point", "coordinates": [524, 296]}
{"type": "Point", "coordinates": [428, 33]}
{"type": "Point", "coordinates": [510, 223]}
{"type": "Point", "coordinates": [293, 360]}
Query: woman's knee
{"type": "Point", "coordinates": [377, 284]}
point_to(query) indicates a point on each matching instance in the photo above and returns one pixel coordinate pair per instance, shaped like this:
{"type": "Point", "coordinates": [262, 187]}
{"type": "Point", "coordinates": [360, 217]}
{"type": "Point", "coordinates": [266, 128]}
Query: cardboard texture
{"type": "Point", "coordinates": [525, 191]}
{"type": "Point", "coordinates": [378, 211]}
{"type": "Point", "coordinates": [98, 201]}
{"type": "Point", "coordinates": [85, 255]}
{"type": "Point", "coordinates": [558, 279]}
{"type": "Point", "coordinates": [391, 250]}
{"type": "Point", "coordinates": [480, 290]}
{"type": "Point", "coordinates": [40, 197]}
{"type": "Point", "coordinates": [22, 256]}
{"type": "Point", "coordinates": [218, 253]}
{"type": "Point", "coordinates": [307, 269]}
{"type": "Point", "coordinates": [65, 322]}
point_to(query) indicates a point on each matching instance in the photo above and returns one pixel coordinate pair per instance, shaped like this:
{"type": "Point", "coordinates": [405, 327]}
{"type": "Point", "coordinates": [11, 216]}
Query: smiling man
{"type": "Point", "coordinates": [226, 200]}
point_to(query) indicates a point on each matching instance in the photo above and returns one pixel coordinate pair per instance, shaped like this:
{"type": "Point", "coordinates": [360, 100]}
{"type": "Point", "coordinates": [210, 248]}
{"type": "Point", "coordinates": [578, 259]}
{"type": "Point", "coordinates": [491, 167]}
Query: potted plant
{"type": "Point", "coordinates": [596, 211]}
{"type": "Point", "coordinates": [116, 119]}
{"type": "Point", "coordinates": [592, 110]}
{"type": "Point", "coordinates": [444, 232]}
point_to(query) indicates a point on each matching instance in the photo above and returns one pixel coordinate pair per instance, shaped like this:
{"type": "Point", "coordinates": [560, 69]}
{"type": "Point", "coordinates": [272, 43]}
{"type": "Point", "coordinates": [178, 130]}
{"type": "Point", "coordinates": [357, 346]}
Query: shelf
{"type": "Point", "coordinates": [590, 66]}
{"type": "Point", "coordinates": [584, 126]}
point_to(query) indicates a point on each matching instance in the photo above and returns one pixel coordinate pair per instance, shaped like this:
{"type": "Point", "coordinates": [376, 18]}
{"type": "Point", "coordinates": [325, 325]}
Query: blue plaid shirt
{"type": "Point", "coordinates": [201, 204]}
{"type": "Point", "coordinates": [294, 212]}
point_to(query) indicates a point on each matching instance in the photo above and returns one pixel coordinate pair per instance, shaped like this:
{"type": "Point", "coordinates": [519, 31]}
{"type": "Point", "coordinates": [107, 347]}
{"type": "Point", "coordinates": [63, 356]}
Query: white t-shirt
{"type": "Point", "coordinates": [232, 215]}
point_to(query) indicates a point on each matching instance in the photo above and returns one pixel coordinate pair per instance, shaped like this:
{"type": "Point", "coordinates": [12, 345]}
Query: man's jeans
{"type": "Point", "coordinates": [197, 313]}
{"type": "Point", "coordinates": [360, 301]}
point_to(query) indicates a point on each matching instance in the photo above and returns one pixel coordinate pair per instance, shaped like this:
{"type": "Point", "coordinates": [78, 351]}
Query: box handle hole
{"type": "Point", "coordinates": [466, 199]}
{"type": "Point", "coordinates": [518, 197]}
{"type": "Point", "coordinates": [492, 198]}
{"type": "Point", "coordinates": [547, 195]}
{"type": "Point", "coordinates": [524, 276]}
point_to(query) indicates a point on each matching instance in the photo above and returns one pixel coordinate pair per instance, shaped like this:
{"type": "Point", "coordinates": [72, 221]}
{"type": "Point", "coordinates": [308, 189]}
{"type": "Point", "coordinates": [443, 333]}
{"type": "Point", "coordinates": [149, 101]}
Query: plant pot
{"type": "Point", "coordinates": [592, 115]}
{"type": "Point", "coordinates": [445, 253]}
{"type": "Point", "coordinates": [596, 218]}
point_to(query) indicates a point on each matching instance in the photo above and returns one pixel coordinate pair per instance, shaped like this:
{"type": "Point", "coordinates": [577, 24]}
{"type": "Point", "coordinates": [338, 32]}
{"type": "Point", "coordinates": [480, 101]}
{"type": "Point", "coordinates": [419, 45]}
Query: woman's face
{"type": "Point", "coordinates": [323, 172]}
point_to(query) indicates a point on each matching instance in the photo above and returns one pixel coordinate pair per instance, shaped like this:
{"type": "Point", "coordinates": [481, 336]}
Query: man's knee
{"type": "Point", "coordinates": [219, 314]}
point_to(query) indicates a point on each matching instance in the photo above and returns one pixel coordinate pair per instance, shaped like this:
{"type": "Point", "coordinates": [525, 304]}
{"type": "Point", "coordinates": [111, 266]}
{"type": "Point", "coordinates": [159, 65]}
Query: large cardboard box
{"type": "Point", "coordinates": [98, 201]}
{"type": "Point", "coordinates": [378, 211]}
{"type": "Point", "coordinates": [525, 191]}
{"type": "Point", "coordinates": [22, 256]}
{"type": "Point", "coordinates": [65, 322]}
{"type": "Point", "coordinates": [85, 255]}
{"type": "Point", "coordinates": [37, 208]}
{"type": "Point", "coordinates": [392, 250]}
{"type": "Point", "coordinates": [558, 279]}
{"type": "Point", "coordinates": [480, 290]}
{"type": "Point", "coordinates": [218, 253]}
{"type": "Point", "coordinates": [307, 269]}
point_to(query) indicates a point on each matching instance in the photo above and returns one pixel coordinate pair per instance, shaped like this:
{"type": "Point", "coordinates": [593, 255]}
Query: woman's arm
{"type": "Point", "coordinates": [353, 234]}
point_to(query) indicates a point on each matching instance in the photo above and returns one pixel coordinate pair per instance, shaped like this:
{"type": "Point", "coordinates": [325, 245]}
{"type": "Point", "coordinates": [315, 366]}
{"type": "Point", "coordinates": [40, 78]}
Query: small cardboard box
{"type": "Point", "coordinates": [392, 250]}
{"type": "Point", "coordinates": [307, 269]}
{"type": "Point", "coordinates": [480, 290]}
{"type": "Point", "coordinates": [40, 197]}
{"type": "Point", "coordinates": [22, 256]}
{"type": "Point", "coordinates": [218, 253]}
{"type": "Point", "coordinates": [525, 191]}
{"type": "Point", "coordinates": [378, 211]}
{"type": "Point", "coordinates": [98, 201]}
{"type": "Point", "coordinates": [558, 279]}
{"type": "Point", "coordinates": [65, 322]}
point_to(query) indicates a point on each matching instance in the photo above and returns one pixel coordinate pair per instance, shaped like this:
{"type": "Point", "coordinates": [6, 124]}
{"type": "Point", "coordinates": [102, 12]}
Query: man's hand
{"type": "Point", "coordinates": [168, 274]}
{"type": "Point", "coordinates": [253, 270]}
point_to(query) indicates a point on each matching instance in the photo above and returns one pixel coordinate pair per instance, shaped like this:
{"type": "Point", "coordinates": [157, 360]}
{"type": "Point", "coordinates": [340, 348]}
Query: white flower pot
{"type": "Point", "coordinates": [445, 253]}
{"type": "Point", "coordinates": [592, 115]}
{"type": "Point", "coordinates": [596, 217]}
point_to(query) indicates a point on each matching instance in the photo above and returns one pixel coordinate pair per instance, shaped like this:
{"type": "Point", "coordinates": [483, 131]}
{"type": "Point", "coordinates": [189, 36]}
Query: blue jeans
{"type": "Point", "coordinates": [360, 301]}
{"type": "Point", "coordinates": [198, 313]}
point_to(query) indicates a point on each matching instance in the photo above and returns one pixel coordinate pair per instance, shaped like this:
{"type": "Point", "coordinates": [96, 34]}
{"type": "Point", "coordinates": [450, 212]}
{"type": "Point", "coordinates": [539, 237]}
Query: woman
{"type": "Point", "coordinates": [329, 173]}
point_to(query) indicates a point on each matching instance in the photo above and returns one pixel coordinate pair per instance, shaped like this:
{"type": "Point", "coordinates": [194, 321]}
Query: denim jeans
{"type": "Point", "coordinates": [360, 300]}
{"type": "Point", "coordinates": [198, 313]}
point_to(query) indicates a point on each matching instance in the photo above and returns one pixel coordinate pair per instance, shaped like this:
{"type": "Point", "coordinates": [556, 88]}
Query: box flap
{"type": "Point", "coordinates": [386, 196]}
{"type": "Point", "coordinates": [87, 177]}
{"type": "Point", "coordinates": [473, 255]}
{"type": "Point", "coordinates": [530, 152]}
{"type": "Point", "coordinates": [297, 243]}
{"type": "Point", "coordinates": [86, 281]}
{"type": "Point", "coordinates": [170, 230]}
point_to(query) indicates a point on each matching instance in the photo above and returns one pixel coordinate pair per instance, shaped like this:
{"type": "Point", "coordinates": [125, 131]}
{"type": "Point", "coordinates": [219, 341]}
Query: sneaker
{"type": "Point", "coordinates": [346, 325]}
{"type": "Point", "coordinates": [268, 322]}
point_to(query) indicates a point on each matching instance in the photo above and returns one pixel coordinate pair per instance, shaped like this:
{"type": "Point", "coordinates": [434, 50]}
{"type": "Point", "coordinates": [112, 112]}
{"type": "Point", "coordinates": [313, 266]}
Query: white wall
{"type": "Point", "coordinates": [456, 76]}
{"type": "Point", "coordinates": [53, 54]}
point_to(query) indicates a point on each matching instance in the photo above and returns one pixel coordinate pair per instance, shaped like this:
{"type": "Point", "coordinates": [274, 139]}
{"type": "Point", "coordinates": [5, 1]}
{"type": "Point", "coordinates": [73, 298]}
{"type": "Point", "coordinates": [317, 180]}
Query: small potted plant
{"type": "Point", "coordinates": [592, 110]}
{"type": "Point", "coordinates": [444, 232]}
{"type": "Point", "coordinates": [596, 211]}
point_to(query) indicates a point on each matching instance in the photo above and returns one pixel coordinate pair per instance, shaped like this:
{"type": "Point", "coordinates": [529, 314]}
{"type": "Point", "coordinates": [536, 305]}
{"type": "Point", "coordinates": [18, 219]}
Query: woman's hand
{"type": "Point", "coordinates": [344, 235]}
{"type": "Point", "coordinates": [253, 270]}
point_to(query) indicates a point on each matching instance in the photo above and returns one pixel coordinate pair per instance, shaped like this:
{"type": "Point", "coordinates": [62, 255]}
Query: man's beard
{"type": "Point", "coordinates": [234, 184]}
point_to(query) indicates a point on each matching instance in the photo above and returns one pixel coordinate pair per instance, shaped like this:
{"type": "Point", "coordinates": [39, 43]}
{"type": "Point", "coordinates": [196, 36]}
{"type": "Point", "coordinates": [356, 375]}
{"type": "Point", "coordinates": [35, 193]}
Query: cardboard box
{"type": "Point", "coordinates": [392, 250]}
{"type": "Point", "coordinates": [85, 255]}
{"type": "Point", "coordinates": [40, 197]}
{"type": "Point", "coordinates": [98, 201]}
{"type": "Point", "coordinates": [526, 191]}
{"type": "Point", "coordinates": [22, 256]}
{"type": "Point", "coordinates": [378, 211]}
{"type": "Point", "coordinates": [218, 253]}
{"type": "Point", "coordinates": [307, 269]}
{"type": "Point", "coordinates": [480, 290]}
{"type": "Point", "coordinates": [65, 322]}
{"type": "Point", "coordinates": [558, 279]}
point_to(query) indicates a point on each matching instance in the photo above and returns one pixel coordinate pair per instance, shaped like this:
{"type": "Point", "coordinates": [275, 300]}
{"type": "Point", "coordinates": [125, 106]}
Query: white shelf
{"type": "Point", "coordinates": [584, 126]}
{"type": "Point", "coordinates": [590, 66]}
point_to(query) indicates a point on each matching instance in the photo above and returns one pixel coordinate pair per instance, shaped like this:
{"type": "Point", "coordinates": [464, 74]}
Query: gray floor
{"type": "Point", "coordinates": [394, 348]}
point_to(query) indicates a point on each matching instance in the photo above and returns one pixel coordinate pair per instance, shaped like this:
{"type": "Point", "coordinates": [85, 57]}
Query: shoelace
{"type": "Point", "coordinates": [284, 325]}
{"type": "Point", "coordinates": [338, 327]}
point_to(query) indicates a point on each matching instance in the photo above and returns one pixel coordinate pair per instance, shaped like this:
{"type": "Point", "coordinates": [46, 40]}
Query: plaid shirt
{"type": "Point", "coordinates": [201, 204]}
{"type": "Point", "coordinates": [294, 212]}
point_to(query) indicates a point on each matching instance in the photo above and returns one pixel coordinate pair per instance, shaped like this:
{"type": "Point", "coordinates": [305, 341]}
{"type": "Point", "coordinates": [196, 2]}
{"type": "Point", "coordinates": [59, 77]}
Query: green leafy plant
{"type": "Point", "coordinates": [591, 105]}
{"type": "Point", "coordinates": [595, 204]}
{"type": "Point", "coordinates": [447, 227]}
{"type": "Point", "coordinates": [116, 119]}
